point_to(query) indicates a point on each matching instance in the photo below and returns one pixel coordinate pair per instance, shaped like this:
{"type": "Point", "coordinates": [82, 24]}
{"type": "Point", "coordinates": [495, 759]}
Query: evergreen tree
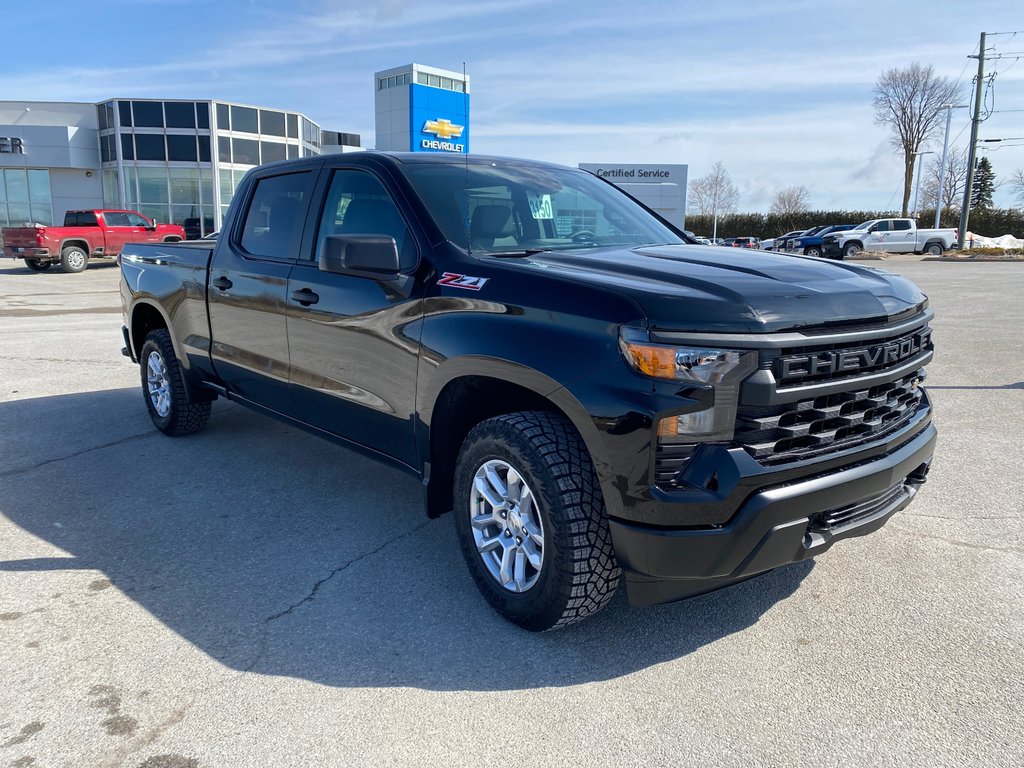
{"type": "Point", "coordinates": [984, 185]}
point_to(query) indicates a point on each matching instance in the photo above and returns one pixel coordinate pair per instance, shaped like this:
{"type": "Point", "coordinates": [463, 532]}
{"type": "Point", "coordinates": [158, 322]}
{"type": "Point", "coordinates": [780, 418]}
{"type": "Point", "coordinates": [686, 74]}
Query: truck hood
{"type": "Point", "coordinates": [733, 290]}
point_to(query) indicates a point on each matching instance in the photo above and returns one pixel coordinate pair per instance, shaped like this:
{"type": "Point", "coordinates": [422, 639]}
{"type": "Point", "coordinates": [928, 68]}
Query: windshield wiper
{"type": "Point", "coordinates": [518, 254]}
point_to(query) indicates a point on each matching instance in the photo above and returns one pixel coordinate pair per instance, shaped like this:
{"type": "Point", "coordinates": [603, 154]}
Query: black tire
{"type": "Point", "coordinates": [578, 573]}
{"type": "Point", "coordinates": [933, 249]}
{"type": "Point", "coordinates": [183, 415]}
{"type": "Point", "coordinates": [38, 265]}
{"type": "Point", "coordinates": [812, 251]}
{"type": "Point", "coordinates": [850, 249]}
{"type": "Point", "coordinates": [74, 259]}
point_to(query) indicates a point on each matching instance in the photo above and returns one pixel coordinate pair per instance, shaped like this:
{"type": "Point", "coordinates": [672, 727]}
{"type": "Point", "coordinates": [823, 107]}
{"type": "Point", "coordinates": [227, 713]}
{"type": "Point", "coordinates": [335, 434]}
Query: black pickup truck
{"type": "Point", "coordinates": [594, 395]}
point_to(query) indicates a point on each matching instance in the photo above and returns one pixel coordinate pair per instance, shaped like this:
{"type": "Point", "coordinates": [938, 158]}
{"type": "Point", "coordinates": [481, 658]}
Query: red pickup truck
{"type": "Point", "coordinates": [85, 234]}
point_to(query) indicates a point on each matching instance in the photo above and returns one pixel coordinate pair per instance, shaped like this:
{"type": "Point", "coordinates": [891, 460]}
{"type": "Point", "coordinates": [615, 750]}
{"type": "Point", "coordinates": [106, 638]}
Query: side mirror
{"type": "Point", "coordinates": [150, 226]}
{"type": "Point", "coordinates": [374, 256]}
{"type": "Point", "coordinates": [872, 228]}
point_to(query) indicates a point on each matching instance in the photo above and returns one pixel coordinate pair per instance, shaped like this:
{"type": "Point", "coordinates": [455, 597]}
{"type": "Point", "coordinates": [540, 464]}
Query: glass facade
{"type": "Point", "coordinates": [162, 157]}
{"type": "Point", "coordinates": [25, 197]}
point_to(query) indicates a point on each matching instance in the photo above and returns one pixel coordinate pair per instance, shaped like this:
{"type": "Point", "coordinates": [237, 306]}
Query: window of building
{"type": "Point", "coordinates": [25, 197]}
{"type": "Point", "coordinates": [153, 187]}
{"type": "Point", "coordinates": [101, 117]}
{"type": "Point", "coordinates": [180, 114]}
{"type": "Point", "coordinates": [293, 126]}
{"type": "Point", "coordinates": [131, 186]}
{"type": "Point", "coordinates": [422, 78]}
{"type": "Point", "coordinates": [293, 151]}
{"type": "Point", "coordinates": [244, 119]}
{"type": "Point", "coordinates": [124, 109]}
{"type": "Point", "coordinates": [148, 114]}
{"type": "Point", "coordinates": [150, 146]}
{"type": "Point", "coordinates": [204, 149]}
{"type": "Point", "coordinates": [127, 147]}
{"type": "Point", "coordinates": [435, 80]}
{"type": "Point", "coordinates": [224, 149]}
{"type": "Point", "coordinates": [276, 210]}
{"type": "Point", "coordinates": [202, 115]}
{"type": "Point", "coordinates": [271, 123]}
{"type": "Point", "coordinates": [271, 151]}
{"type": "Point", "coordinates": [245, 151]}
{"type": "Point", "coordinates": [223, 121]}
{"type": "Point", "coordinates": [105, 146]}
{"type": "Point", "coordinates": [184, 186]}
{"type": "Point", "coordinates": [182, 148]}
{"type": "Point", "coordinates": [111, 197]}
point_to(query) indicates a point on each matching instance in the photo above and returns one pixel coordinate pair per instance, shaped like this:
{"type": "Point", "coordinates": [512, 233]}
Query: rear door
{"type": "Point", "coordinates": [248, 291]}
{"type": "Point", "coordinates": [117, 231]}
{"type": "Point", "coordinates": [353, 351]}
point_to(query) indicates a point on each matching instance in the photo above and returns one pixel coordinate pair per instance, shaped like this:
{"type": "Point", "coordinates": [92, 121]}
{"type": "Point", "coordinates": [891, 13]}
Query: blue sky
{"type": "Point", "coordinates": [780, 92]}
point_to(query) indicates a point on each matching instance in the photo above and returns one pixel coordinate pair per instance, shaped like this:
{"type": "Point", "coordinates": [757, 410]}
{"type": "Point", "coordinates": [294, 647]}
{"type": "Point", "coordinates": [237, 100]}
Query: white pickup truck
{"type": "Point", "coordinates": [891, 235]}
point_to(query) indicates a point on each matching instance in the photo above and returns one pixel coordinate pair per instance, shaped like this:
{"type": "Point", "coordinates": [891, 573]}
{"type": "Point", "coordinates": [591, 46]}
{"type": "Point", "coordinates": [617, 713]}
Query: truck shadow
{"type": "Point", "coordinates": [274, 551]}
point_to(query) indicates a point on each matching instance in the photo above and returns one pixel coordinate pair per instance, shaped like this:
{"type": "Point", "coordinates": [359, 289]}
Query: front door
{"type": "Point", "coordinates": [118, 231]}
{"type": "Point", "coordinates": [354, 340]}
{"type": "Point", "coordinates": [248, 293]}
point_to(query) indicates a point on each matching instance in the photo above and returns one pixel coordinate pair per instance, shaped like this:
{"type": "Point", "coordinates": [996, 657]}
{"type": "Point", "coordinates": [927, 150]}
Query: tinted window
{"type": "Point", "coordinates": [204, 149]}
{"type": "Point", "coordinates": [114, 219]}
{"type": "Point", "coordinates": [293, 151]}
{"type": "Point", "coordinates": [202, 115]}
{"type": "Point", "coordinates": [883, 226]}
{"type": "Point", "coordinates": [105, 156]}
{"type": "Point", "coordinates": [901, 224]}
{"type": "Point", "coordinates": [127, 148]}
{"type": "Point", "coordinates": [87, 219]}
{"type": "Point", "coordinates": [135, 220]}
{"type": "Point", "coordinates": [180, 114]}
{"type": "Point", "coordinates": [244, 119]}
{"type": "Point", "coordinates": [148, 114]}
{"type": "Point", "coordinates": [272, 151]}
{"type": "Point", "coordinates": [246, 151]}
{"type": "Point", "coordinates": [101, 117]}
{"type": "Point", "coordinates": [223, 123]}
{"type": "Point", "coordinates": [224, 149]}
{"type": "Point", "coordinates": [271, 123]}
{"type": "Point", "coordinates": [358, 204]}
{"type": "Point", "coordinates": [124, 108]}
{"type": "Point", "coordinates": [181, 148]}
{"type": "Point", "coordinates": [293, 126]}
{"type": "Point", "coordinates": [149, 146]}
{"type": "Point", "coordinates": [276, 211]}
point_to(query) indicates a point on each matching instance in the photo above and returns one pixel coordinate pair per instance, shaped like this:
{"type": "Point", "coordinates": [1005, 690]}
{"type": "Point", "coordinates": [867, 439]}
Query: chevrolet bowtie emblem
{"type": "Point", "coordinates": [443, 128]}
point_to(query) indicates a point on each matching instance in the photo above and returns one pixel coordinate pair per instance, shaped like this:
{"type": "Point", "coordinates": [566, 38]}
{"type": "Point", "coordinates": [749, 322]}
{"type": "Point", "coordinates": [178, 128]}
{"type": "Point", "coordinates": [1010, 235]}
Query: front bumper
{"type": "Point", "coordinates": [831, 250]}
{"type": "Point", "coordinates": [775, 526]}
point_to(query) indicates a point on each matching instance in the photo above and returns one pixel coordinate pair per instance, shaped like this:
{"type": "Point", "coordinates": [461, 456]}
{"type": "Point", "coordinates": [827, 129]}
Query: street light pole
{"type": "Point", "coordinates": [942, 167]}
{"type": "Point", "coordinates": [917, 187]}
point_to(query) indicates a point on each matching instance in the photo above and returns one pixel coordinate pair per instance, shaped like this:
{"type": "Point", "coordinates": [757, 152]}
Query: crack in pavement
{"type": "Point", "coordinates": [311, 595]}
{"type": "Point", "coordinates": [23, 470]}
{"type": "Point", "coordinates": [957, 542]}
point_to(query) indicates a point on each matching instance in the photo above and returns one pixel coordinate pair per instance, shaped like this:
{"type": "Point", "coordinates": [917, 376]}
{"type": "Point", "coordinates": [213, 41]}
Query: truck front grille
{"type": "Point", "coordinates": [827, 423]}
{"type": "Point", "coordinates": [834, 519]}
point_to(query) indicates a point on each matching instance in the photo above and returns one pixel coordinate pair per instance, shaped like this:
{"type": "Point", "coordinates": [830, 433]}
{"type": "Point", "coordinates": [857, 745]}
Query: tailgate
{"type": "Point", "coordinates": [19, 237]}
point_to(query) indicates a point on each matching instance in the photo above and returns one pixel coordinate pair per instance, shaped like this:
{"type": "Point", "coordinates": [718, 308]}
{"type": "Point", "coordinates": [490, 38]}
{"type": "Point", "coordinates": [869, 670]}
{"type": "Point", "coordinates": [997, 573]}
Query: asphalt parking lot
{"type": "Point", "coordinates": [254, 596]}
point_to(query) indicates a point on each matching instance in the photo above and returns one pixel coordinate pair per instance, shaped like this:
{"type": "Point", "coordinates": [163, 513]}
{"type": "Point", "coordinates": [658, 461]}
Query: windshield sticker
{"type": "Point", "coordinates": [540, 206]}
{"type": "Point", "coordinates": [467, 282]}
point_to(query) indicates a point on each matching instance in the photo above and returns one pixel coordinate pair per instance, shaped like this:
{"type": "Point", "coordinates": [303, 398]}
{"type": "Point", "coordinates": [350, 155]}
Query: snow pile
{"type": "Point", "coordinates": [1006, 241]}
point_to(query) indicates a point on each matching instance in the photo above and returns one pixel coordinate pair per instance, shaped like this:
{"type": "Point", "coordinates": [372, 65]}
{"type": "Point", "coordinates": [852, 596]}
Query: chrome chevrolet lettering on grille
{"type": "Point", "coordinates": [835, 361]}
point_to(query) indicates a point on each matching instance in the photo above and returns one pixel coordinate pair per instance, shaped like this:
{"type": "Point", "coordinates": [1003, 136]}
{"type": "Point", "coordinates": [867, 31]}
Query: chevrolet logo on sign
{"type": "Point", "coordinates": [443, 128]}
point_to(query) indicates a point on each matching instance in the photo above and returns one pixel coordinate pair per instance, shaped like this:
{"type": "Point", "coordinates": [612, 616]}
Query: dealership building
{"type": "Point", "coordinates": [180, 161]}
{"type": "Point", "coordinates": [174, 160]}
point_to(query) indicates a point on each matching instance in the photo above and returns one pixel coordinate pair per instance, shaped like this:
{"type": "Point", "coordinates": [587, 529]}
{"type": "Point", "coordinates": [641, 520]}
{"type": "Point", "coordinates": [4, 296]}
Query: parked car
{"type": "Point", "coordinates": [810, 244]}
{"type": "Point", "coordinates": [727, 241]}
{"type": "Point", "coordinates": [770, 243]}
{"type": "Point", "coordinates": [626, 406]}
{"type": "Point", "coordinates": [85, 235]}
{"type": "Point", "coordinates": [745, 242]}
{"type": "Point", "coordinates": [890, 236]}
{"type": "Point", "coordinates": [194, 228]}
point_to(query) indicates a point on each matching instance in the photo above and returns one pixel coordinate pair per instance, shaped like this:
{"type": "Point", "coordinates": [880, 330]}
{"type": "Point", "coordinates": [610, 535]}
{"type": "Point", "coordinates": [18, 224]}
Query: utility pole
{"type": "Point", "coordinates": [975, 122]}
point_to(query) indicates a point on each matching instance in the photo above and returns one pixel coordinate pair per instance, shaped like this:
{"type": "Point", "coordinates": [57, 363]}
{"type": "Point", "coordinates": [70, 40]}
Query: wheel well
{"type": "Point", "coordinates": [848, 243]}
{"type": "Point", "coordinates": [937, 242]}
{"type": "Point", "coordinates": [84, 245]}
{"type": "Point", "coordinates": [145, 318]}
{"type": "Point", "coordinates": [463, 404]}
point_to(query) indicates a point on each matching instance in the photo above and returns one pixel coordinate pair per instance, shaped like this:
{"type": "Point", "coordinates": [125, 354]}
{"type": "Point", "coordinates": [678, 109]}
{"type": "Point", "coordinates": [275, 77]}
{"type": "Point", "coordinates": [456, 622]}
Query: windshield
{"type": "Point", "coordinates": [512, 207]}
{"type": "Point", "coordinates": [866, 224]}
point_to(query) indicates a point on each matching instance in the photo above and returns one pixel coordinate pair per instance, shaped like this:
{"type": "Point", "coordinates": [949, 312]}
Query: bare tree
{"type": "Point", "coordinates": [1016, 182]}
{"type": "Point", "coordinates": [790, 200]}
{"type": "Point", "coordinates": [714, 194]}
{"type": "Point", "coordinates": [952, 186]}
{"type": "Point", "coordinates": [908, 102]}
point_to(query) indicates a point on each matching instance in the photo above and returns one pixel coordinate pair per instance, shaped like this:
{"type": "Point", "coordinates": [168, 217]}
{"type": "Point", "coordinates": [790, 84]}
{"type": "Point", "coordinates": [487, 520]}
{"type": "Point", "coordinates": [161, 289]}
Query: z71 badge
{"type": "Point", "coordinates": [468, 282]}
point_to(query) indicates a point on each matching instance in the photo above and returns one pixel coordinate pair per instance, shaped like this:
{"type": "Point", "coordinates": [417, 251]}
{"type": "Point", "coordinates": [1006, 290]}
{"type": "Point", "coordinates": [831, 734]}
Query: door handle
{"type": "Point", "coordinates": [305, 297]}
{"type": "Point", "coordinates": [222, 283]}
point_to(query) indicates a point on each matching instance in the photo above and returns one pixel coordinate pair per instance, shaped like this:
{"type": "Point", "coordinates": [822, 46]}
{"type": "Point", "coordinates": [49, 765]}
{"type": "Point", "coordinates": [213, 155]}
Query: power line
{"type": "Point", "coordinates": [993, 34]}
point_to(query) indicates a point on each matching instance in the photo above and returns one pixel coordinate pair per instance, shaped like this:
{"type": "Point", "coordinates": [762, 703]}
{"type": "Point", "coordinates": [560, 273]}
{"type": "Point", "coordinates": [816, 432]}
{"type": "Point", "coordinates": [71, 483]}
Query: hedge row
{"type": "Point", "coordinates": [992, 222]}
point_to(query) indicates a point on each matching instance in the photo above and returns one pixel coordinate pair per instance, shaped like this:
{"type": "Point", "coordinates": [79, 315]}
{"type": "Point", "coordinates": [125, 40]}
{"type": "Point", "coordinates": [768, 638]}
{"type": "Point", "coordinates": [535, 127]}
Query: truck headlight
{"type": "Point", "coordinates": [718, 369]}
